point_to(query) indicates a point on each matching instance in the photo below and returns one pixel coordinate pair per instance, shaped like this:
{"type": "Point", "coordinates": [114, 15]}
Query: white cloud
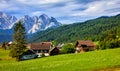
{"type": "Point", "coordinates": [99, 8]}
{"type": "Point", "coordinates": [36, 13]}
{"type": "Point", "coordinates": [8, 6]}
{"type": "Point", "coordinates": [62, 8]}
{"type": "Point", "coordinates": [40, 1]}
{"type": "Point", "coordinates": [3, 5]}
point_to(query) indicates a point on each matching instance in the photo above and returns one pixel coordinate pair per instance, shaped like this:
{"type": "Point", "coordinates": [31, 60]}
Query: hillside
{"type": "Point", "coordinates": [91, 29]}
{"type": "Point", "coordinates": [69, 62]}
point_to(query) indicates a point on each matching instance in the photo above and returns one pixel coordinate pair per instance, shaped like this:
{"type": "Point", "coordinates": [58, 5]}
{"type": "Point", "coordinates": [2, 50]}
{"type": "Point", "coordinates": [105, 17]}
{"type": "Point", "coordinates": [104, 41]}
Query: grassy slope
{"type": "Point", "coordinates": [4, 54]}
{"type": "Point", "coordinates": [69, 62]}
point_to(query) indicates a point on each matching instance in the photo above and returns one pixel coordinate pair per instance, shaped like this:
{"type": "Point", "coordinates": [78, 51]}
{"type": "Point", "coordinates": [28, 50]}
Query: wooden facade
{"type": "Point", "coordinates": [54, 51]}
{"type": "Point", "coordinates": [84, 46]}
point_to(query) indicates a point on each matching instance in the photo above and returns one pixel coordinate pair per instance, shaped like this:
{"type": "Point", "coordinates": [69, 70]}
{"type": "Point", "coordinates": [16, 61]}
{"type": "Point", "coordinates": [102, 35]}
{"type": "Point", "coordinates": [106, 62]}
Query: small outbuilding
{"type": "Point", "coordinates": [54, 51]}
{"type": "Point", "coordinates": [29, 54]}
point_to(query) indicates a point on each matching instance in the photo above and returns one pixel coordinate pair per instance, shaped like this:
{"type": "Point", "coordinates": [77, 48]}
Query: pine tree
{"type": "Point", "coordinates": [19, 46]}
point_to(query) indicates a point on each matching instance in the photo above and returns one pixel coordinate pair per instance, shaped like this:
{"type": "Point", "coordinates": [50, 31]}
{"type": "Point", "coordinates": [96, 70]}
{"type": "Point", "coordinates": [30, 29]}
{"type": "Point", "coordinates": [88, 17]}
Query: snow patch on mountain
{"type": "Point", "coordinates": [6, 21]}
{"type": "Point", "coordinates": [41, 23]}
{"type": "Point", "coordinates": [32, 24]}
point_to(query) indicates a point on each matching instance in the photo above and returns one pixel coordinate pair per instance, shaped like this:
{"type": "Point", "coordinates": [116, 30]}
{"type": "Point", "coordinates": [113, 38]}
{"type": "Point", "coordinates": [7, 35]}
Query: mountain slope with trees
{"type": "Point", "coordinates": [89, 30]}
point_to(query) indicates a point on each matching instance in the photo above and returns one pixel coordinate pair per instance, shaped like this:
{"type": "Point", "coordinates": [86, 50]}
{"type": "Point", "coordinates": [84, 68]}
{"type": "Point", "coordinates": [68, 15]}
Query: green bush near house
{"type": "Point", "coordinates": [68, 48]}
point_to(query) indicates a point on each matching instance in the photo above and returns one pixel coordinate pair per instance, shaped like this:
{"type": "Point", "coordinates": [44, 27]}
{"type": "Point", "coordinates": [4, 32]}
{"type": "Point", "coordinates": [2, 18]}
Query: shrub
{"type": "Point", "coordinates": [67, 48]}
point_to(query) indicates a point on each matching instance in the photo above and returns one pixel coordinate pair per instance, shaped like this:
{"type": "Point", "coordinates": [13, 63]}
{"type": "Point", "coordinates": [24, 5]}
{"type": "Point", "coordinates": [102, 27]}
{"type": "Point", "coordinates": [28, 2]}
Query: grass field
{"type": "Point", "coordinates": [88, 61]}
{"type": "Point", "coordinates": [4, 54]}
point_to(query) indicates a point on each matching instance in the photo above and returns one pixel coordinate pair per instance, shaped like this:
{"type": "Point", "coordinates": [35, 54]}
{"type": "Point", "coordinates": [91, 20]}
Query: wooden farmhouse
{"type": "Point", "coordinates": [84, 46]}
{"type": "Point", "coordinates": [41, 47]}
{"type": "Point", "coordinates": [45, 48]}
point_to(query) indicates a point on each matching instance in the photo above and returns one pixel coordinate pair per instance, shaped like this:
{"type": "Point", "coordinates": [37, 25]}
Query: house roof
{"type": "Point", "coordinates": [29, 52]}
{"type": "Point", "coordinates": [28, 46]}
{"type": "Point", "coordinates": [87, 43]}
{"type": "Point", "coordinates": [41, 45]}
{"type": "Point", "coordinates": [59, 46]}
{"type": "Point", "coordinates": [53, 48]}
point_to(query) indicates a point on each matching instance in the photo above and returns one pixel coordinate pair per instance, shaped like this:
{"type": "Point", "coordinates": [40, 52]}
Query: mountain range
{"type": "Point", "coordinates": [41, 23]}
{"type": "Point", "coordinates": [89, 30]}
{"type": "Point", "coordinates": [32, 24]}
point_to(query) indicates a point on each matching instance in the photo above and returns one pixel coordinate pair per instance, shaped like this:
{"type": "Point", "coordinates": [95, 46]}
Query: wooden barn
{"type": "Point", "coordinates": [54, 51]}
{"type": "Point", "coordinates": [84, 46]}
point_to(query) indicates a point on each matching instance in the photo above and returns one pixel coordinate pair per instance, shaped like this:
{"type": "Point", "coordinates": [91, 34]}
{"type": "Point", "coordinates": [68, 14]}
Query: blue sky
{"type": "Point", "coordinates": [65, 11]}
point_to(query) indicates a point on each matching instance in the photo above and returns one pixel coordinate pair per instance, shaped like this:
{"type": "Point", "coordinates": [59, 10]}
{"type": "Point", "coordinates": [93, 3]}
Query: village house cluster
{"type": "Point", "coordinates": [41, 49]}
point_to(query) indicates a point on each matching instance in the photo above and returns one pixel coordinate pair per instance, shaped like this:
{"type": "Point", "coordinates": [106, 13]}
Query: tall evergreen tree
{"type": "Point", "coordinates": [19, 46]}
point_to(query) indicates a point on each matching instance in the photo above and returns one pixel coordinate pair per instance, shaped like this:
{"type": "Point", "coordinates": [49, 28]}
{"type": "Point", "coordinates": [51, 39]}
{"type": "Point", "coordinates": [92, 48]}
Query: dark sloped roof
{"type": "Point", "coordinates": [41, 46]}
{"type": "Point", "coordinates": [87, 43]}
{"type": "Point", "coordinates": [29, 52]}
{"type": "Point", "coordinates": [54, 51]}
{"type": "Point", "coordinates": [53, 48]}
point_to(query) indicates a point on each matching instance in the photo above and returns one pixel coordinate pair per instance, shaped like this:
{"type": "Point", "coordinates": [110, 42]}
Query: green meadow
{"type": "Point", "coordinates": [87, 61]}
{"type": "Point", "coordinates": [4, 54]}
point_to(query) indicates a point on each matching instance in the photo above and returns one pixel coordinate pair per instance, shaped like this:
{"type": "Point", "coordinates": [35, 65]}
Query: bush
{"type": "Point", "coordinates": [67, 48]}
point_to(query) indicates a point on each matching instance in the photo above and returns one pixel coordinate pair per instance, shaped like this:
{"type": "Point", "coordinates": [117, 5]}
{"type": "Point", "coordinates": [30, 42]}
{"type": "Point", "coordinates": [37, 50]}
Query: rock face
{"type": "Point", "coordinates": [6, 21]}
{"type": "Point", "coordinates": [32, 24]}
{"type": "Point", "coordinates": [35, 24]}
